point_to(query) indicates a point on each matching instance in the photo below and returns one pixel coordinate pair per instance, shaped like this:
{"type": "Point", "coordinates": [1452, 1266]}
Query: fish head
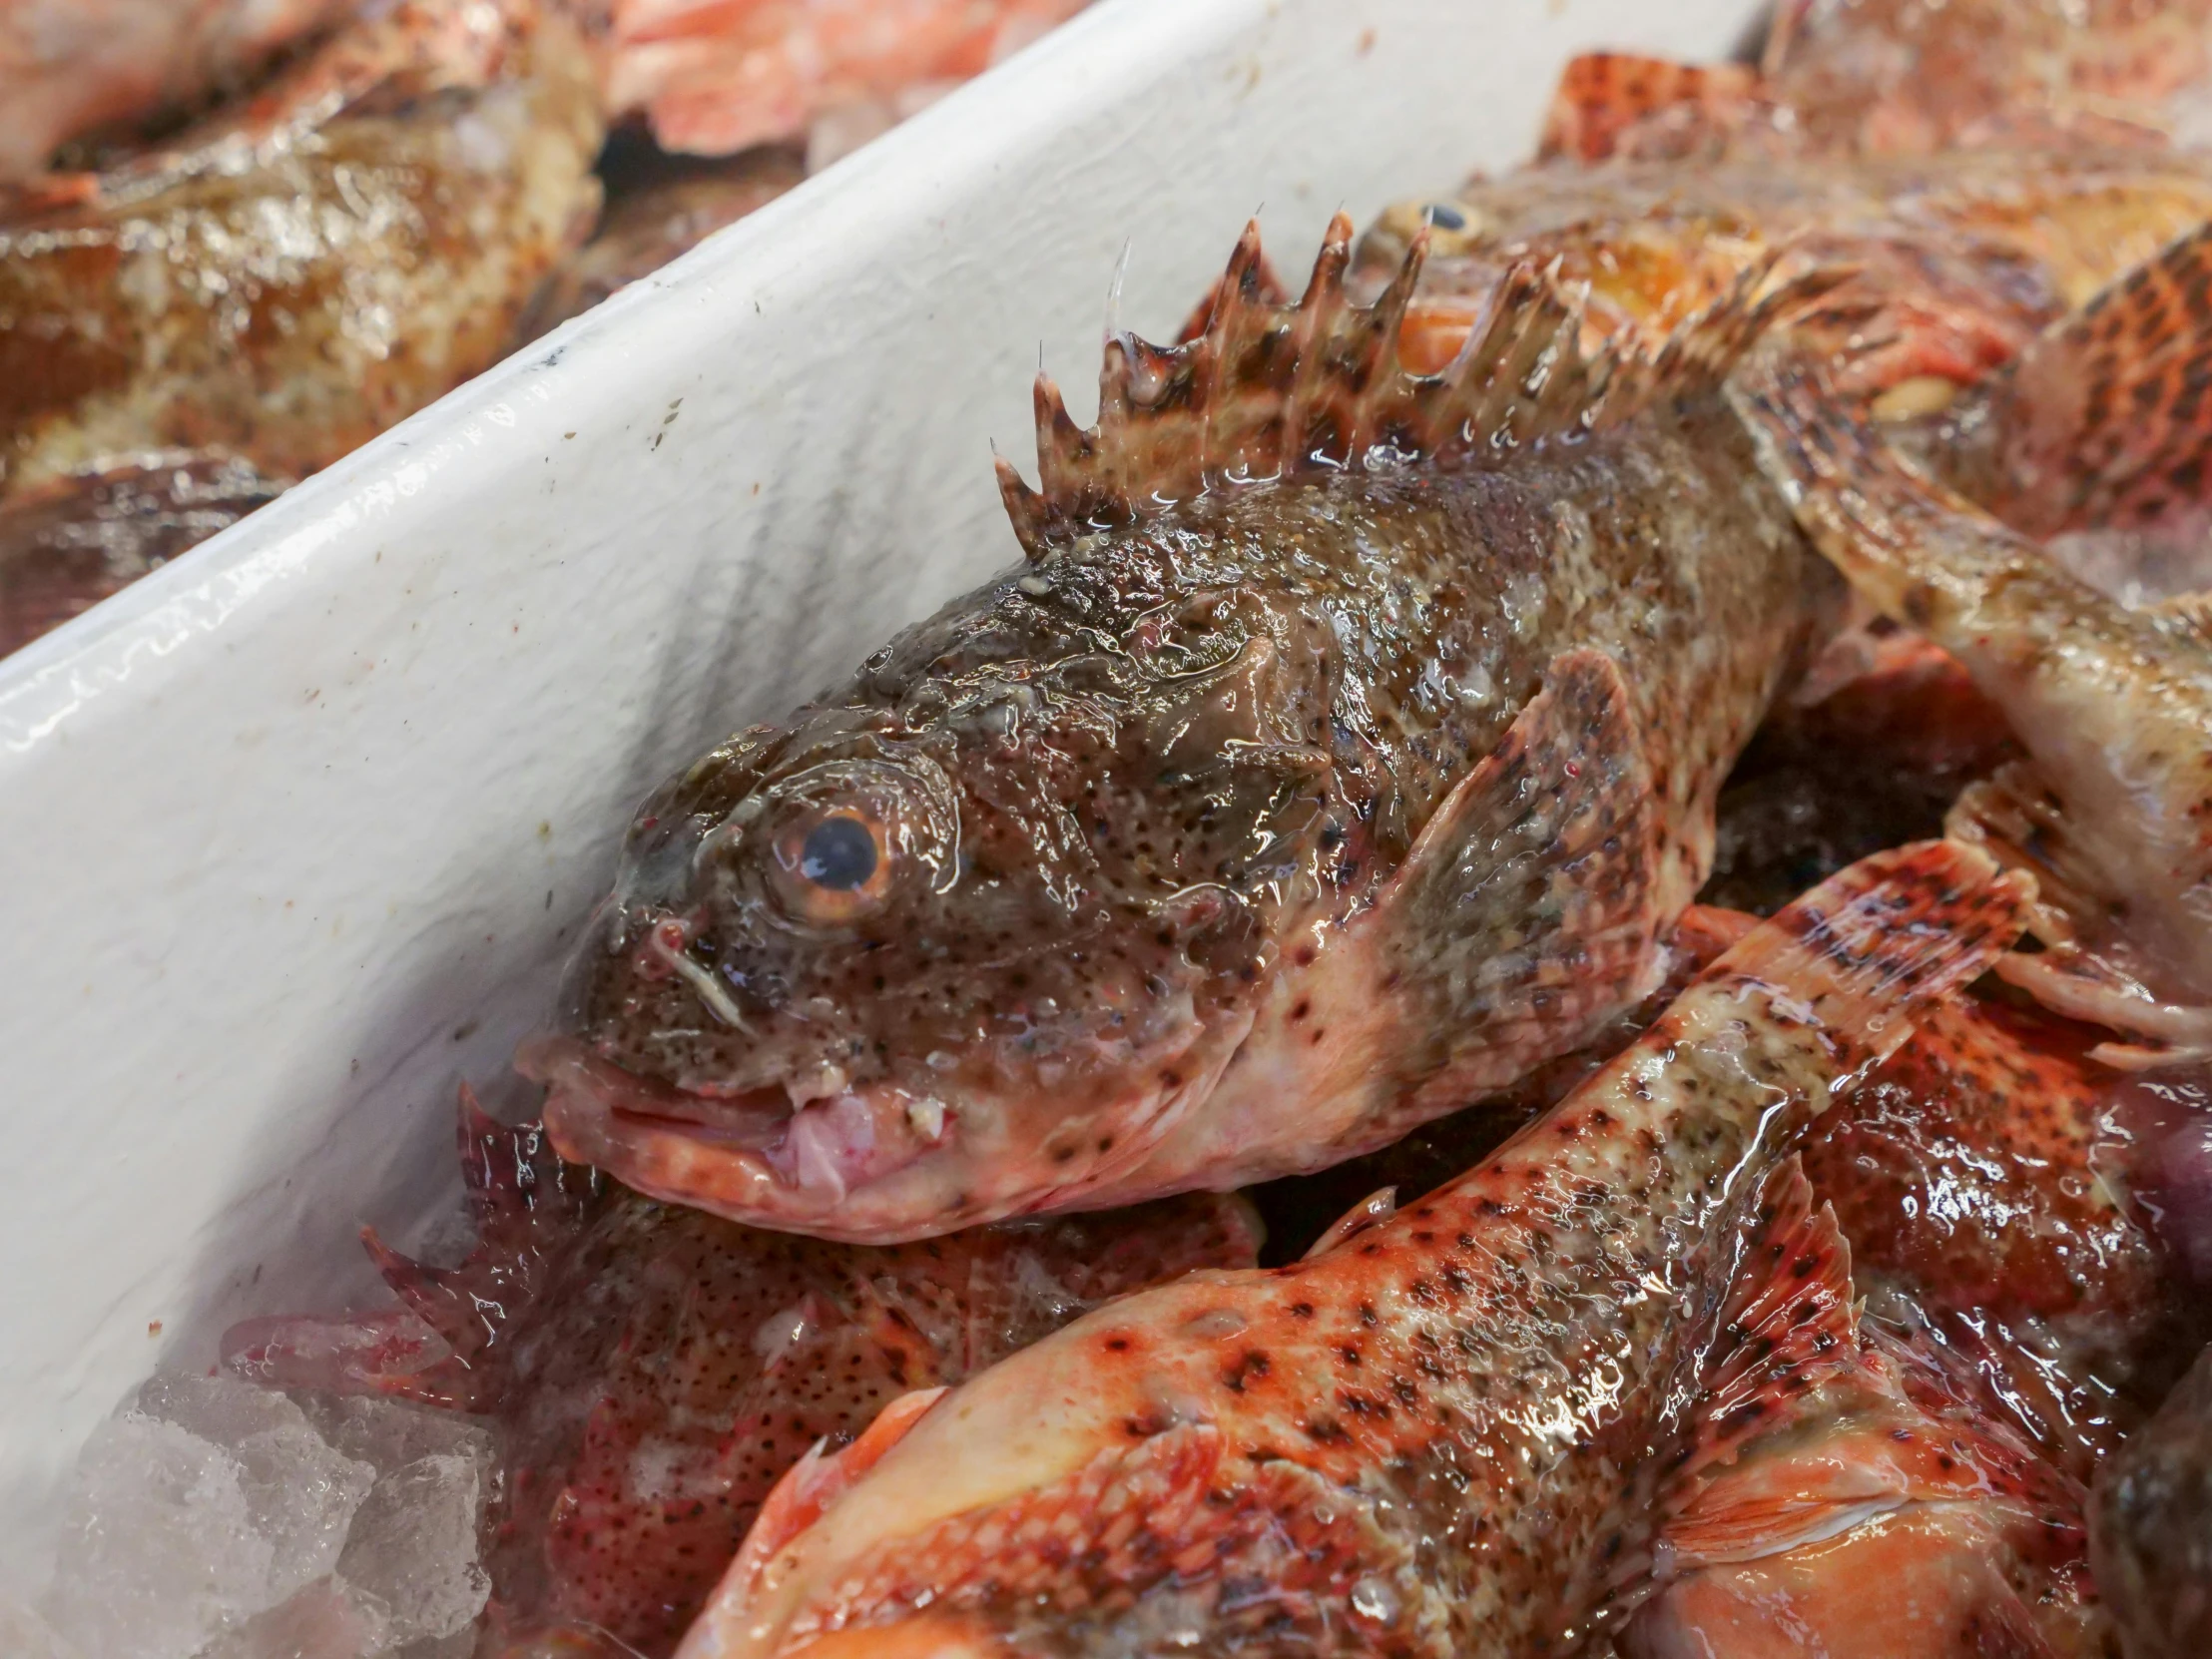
{"type": "Point", "coordinates": [961, 944]}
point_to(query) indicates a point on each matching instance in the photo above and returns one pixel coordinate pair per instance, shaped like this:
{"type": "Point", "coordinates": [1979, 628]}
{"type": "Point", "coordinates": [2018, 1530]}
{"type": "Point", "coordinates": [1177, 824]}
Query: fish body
{"type": "Point", "coordinates": [2151, 1527]}
{"type": "Point", "coordinates": [2104, 417]}
{"type": "Point", "coordinates": [1447, 1432]}
{"type": "Point", "coordinates": [652, 1372]}
{"type": "Point", "coordinates": [67, 546]}
{"type": "Point", "coordinates": [1979, 1182]}
{"type": "Point", "coordinates": [1329, 767]}
{"type": "Point", "coordinates": [72, 67]}
{"type": "Point", "coordinates": [284, 282]}
{"type": "Point", "coordinates": [1883, 1514]}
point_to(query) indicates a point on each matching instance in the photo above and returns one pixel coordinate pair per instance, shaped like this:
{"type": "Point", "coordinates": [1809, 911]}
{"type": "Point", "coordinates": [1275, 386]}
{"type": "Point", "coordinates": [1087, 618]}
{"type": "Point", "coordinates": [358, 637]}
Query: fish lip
{"type": "Point", "coordinates": [761, 1165]}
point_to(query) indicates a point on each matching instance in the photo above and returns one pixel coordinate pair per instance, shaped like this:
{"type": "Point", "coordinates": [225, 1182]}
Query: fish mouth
{"type": "Point", "coordinates": [826, 1164]}
{"type": "Point", "coordinates": [876, 1163]}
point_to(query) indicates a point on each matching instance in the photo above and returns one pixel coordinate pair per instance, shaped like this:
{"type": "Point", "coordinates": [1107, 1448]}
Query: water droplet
{"type": "Point", "coordinates": [1375, 1598]}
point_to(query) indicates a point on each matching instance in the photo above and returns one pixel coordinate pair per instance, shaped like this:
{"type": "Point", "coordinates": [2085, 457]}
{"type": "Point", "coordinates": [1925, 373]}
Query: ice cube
{"type": "Point", "coordinates": [328, 1619]}
{"type": "Point", "coordinates": [218, 1408]}
{"type": "Point", "coordinates": [387, 1434]}
{"type": "Point", "coordinates": [300, 1492]}
{"type": "Point", "coordinates": [24, 1635]}
{"type": "Point", "coordinates": [158, 1549]}
{"type": "Point", "coordinates": [301, 1495]}
{"type": "Point", "coordinates": [414, 1546]}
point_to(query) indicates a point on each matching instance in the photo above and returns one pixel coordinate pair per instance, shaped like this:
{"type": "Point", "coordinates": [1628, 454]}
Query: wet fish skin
{"type": "Point", "coordinates": [1225, 842]}
{"type": "Point", "coordinates": [1446, 1434]}
{"type": "Point", "coordinates": [2150, 1528]}
{"type": "Point", "coordinates": [64, 548]}
{"type": "Point", "coordinates": [652, 1372]}
{"type": "Point", "coordinates": [2112, 703]}
{"type": "Point", "coordinates": [1976, 1176]}
{"type": "Point", "coordinates": [284, 282]}
{"type": "Point", "coordinates": [1881, 1513]}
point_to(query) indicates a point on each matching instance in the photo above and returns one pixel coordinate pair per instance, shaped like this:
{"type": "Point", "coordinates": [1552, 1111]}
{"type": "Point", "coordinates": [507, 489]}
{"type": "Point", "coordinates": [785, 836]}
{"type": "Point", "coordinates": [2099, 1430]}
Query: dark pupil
{"type": "Point", "coordinates": [839, 854]}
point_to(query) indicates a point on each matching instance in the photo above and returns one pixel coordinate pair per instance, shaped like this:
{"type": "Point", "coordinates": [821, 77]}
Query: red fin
{"type": "Point", "coordinates": [2105, 421]}
{"type": "Point", "coordinates": [1376, 1207]}
{"type": "Point", "coordinates": [818, 1481]}
{"type": "Point", "coordinates": [1603, 96]}
{"type": "Point", "coordinates": [1558, 820]}
{"type": "Point", "coordinates": [1788, 1325]}
{"type": "Point", "coordinates": [1875, 944]}
{"type": "Point", "coordinates": [1271, 390]}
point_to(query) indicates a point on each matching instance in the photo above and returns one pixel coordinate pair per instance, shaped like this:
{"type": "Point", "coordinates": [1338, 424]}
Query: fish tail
{"type": "Point", "coordinates": [2106, 419]}
{"type": "Point", "coordinates": [1876, 944]}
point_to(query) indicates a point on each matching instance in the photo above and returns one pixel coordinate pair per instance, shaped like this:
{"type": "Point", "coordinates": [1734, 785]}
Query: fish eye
{"type": "Point", "coordinates": [838, 853]}
{"type": "Point", "coordinates": [834, 866]}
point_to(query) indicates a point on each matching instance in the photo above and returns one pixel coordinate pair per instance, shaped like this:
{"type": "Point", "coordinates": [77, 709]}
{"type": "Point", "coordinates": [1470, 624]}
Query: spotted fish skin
{"type": "Point", "coordinates": [652, 1372]}
{"type": "Point", "coordinates": [1446, 1434]}
{"type": "Point", "coordinates": [1889, 1474]}
{"type": "Point", "coordinates": [1342, 754]}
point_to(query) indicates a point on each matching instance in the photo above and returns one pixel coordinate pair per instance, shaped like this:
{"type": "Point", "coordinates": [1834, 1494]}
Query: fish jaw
{"type": "Point", "coordinates": [873, 1163]}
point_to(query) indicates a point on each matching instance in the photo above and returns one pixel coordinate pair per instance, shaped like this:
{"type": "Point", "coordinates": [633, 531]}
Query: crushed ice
{"type": "Point", "coordinates": [215, 1520]}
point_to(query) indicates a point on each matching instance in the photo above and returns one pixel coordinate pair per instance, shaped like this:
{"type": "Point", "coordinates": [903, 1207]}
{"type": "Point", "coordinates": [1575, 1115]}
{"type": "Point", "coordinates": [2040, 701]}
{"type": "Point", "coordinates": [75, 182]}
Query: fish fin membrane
{"type": "Point", "coordinates": [818, 1481]}
{"type": "Point", "coordinates": [1559, 819]}
{"type": "Point", "coordinates": [1790, 1324]}
{"type": "Point", "coordinates": [2104, 421]}
{"type": "Point", "coordinates": [527, 1201]}
{"type": "Point", "coordinates": [1872, 946]}
{"type": "Point", "coordinates": [2016, 819]}
{"type": "Point", "coordinates": [1267, 391]}
{"type": "Point", "coordinates": [1614, 102]}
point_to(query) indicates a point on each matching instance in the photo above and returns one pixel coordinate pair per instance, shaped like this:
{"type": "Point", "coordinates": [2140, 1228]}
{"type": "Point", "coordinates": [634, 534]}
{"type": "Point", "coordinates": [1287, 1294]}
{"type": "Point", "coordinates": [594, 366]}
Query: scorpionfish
{"type": "Point", "coordinates": [1342, 752]}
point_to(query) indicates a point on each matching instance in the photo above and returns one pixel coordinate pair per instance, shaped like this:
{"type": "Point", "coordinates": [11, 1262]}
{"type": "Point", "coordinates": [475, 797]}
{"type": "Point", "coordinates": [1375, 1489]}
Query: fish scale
{"type": "Point", "coordinates": [1448, 1433]}
{"type": "Point", "coordinates": [1339, 755]}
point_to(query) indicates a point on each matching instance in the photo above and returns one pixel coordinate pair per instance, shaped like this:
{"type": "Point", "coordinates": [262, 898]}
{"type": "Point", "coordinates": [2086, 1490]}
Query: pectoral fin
{"type": "Point", "coordinates": [1529, 907]}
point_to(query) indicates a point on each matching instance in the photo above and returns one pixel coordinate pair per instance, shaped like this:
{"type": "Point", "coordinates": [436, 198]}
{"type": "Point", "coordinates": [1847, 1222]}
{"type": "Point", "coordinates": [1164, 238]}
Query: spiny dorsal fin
{"type": "Point", "coordinates": [1268, 391]}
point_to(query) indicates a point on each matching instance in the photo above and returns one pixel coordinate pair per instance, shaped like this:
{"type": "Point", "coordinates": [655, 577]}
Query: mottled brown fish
{"type": "Point", "coordinates": [1446, 1434]}
{"type": "Point", "coordinates": [278, 283]}
{"type": "Point", "coordinates": [1342, 754]}
{"type": "Point", "coordinates": [652, 1372]}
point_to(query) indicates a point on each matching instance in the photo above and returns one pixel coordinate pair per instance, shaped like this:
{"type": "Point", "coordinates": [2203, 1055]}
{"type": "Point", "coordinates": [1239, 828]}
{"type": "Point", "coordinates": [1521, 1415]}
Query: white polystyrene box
{"type": "Point", "coordinates": [296, 831]}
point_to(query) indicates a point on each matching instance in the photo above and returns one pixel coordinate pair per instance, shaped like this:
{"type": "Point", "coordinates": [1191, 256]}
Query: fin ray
{"type": "Point", "coordinates": [1266, 390]}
